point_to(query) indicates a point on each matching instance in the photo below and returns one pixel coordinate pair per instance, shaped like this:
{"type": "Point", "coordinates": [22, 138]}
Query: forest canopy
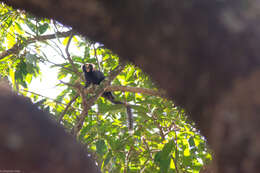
{"type": "Point", "coordinates": [163, 138]}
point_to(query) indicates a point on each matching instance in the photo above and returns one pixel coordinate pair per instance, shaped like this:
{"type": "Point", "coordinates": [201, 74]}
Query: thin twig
{"type": "Point", "coordinates": [147, 147]}
{"type": "Point", "coordinates": [68, 54]}
{"type": "Point", "coordinates": [62, 66]}
{"type": "Point", "coordinates": [77, 85]}
{"type": "Point", "coordinates": [59, 51]}
{"type": "Point", "coordinates": [58, 65]}
{"type": "Point", "coordinates": [54, 100]}
{"type": "Point", "coordinates": [43, 96]}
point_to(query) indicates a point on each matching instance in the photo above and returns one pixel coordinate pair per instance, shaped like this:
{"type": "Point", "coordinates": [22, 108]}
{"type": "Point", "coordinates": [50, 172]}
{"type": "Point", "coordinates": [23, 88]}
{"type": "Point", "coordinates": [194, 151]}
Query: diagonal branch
{"type": "Point", "coordinates": [21, 44]}
{"type": "Point", "coordinates": [91, 101]}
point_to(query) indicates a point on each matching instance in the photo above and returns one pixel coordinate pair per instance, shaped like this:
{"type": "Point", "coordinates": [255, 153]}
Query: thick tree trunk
{"type": "Point", "coordinates": [204, 53]}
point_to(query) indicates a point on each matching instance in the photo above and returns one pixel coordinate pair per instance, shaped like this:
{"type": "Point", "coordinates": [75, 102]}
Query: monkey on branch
{"type": "Point", "coordinates": [93, 76]}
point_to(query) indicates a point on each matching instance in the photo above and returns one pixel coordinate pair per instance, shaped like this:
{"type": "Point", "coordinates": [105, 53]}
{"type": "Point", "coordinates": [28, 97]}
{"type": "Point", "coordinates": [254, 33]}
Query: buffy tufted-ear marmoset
{"type": "Point", "coordinates": [93, 76]}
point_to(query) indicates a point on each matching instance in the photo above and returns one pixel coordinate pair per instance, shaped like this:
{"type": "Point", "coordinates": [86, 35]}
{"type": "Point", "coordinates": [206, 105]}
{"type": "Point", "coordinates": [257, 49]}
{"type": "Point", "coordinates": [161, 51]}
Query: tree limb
{"type": "Point", "coordinates": [98, 92]}
{"type": "Point", "coordinates": [145, 91]}
{"type": "Point", "coordinates": [20, 45]}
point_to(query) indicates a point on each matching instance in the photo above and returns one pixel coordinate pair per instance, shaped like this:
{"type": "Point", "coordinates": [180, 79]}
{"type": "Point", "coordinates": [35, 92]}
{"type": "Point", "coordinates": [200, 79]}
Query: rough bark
{"type": "Point", "coordinates": [204, 53]}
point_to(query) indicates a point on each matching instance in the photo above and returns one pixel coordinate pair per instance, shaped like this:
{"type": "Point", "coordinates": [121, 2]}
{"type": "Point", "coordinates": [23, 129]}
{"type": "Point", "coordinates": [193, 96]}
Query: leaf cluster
{"type": "Point", "coordinates": [163, 140]}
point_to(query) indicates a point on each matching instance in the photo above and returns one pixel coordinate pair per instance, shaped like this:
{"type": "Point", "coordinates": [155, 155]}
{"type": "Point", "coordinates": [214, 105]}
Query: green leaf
{"type": "Point", "coordinates": [20, 73]}
{"type": "Point", "coordinates": [191, 142]}
{"type": "Point", "coordinates": [28, 78]}
{"type": "Point", "coordinates": [163, 161]}
{"type": "Point", "coordinates": [90, 138]}
{"type": "Point", "coordinates": [107, 159]}
{"type": "Point", "coordinates": [12, 76]}
{"type": "Point", "coordinates": [43, 28]}
{"type": "Point", "coordinates": [130, 73]}
{"type": "Point", "coordinates": [116, 108]}
{"type": "Point", "coordinates": [168, 147]}
{"type": "Point", "coordinates": [31, 25]}
{"type": "Point", "coordinates": [101, 147]}
{"type": "Point", "coordinates": [18, 28]}
{"type": "Point", "coordinates": [187, 161]}
{"type": "Point", "coordinates": [30, 68]}
{"type": "Point", "coordinates": [23, 68]}
{"type": "Point", "coordinates": [140, 108]}
{"type": "Point", "coordinates": [61, 75]}
{"type": "Point", "coordinates": [86, 52]}
{"type": "Point", "coordinates": [9, 22]}
{"type": "Point", "coordinates": [77, 59]}
{"type": "Point", "coordinates": [83, 132]}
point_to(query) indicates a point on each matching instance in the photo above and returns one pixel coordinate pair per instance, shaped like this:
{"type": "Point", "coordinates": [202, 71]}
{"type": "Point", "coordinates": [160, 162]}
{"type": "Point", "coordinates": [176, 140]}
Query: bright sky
{"type": "Point", "coordinates": [46, 84]}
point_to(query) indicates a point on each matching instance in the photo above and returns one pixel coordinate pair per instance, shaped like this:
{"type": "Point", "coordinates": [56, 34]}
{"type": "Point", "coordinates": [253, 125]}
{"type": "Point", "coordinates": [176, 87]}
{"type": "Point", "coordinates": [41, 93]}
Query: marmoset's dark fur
{"type": "Point", "coordinates": [93, 76]}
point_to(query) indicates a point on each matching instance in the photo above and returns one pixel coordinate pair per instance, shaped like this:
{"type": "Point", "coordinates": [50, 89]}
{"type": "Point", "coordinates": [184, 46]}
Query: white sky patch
{"type": "Point", "coordinates": [46, 85]}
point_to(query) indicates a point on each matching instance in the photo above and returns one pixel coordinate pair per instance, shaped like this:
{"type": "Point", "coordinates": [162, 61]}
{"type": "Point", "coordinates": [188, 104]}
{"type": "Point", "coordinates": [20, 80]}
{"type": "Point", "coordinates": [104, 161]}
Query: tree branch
{"type": "Point", "coordinates": [136, 90]}
{"type": "Point", "coordinates": [91, 101]}
{"type": "Point", "coordinates": [161, 131]}
{"type": "Point", "coordinates": [145, 91]}
{"type": "Point", "coordinates": [68, 54]}
{"type": "Point", "coordinates": [20, 45]}
{"type": "Point", "coordinates": [67, 107]}
{"type": "Point", "coordinates": [111, 88]}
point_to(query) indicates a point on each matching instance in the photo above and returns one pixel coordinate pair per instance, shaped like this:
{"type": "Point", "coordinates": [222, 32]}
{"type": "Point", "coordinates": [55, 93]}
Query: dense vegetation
{"type": "Point", "coordinates": [163, 139]}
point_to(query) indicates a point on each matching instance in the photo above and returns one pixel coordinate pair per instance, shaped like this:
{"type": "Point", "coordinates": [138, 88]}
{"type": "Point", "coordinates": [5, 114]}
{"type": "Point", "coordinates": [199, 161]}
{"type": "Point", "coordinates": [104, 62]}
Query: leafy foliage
{"type": "Point", "coordinates": [163, 140]}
